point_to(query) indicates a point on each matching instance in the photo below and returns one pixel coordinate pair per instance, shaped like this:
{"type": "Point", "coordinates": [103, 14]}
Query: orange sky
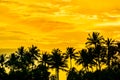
{"type": "Point", "coordinates": [56, 23]}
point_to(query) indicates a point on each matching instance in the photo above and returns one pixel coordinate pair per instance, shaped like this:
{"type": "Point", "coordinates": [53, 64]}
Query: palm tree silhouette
{"type": "Point", "coordinates": [2, 60]}
{"type": "Point", "coordinates": [12, 62]}
{"type": "Point", "coordinates": [73, 74]}
{"type": "Point", "coordinates": [118, 46]}
{"type": "Point", "coordinates": [110, 43]}
{"type": "Point", "coordinates": [90, 53]}
{"type": "Point", "coordinates": [70, 54]}
{"type": "Point", "coordinates": [82, 59]}
{"type": "Point", "coordinates": [45, 59]}
{"type": "Point", "coordinates": [40, 73]}
{"type": "Point", "coordinates": [58, 61]}
{"type": "Point", "coordinates": [34, 51]}
{"type": "Point", "coordinates": [96, 40]}
{"type": "Point", "coordinates": [85, 58]}
{"type": "Point", "coordinates": [34, 54]}
{"type": "Point", "coordinates": [22, 58]}
{"type": "Point", "coordinates": [29, 64]}
{"type": "Point", "coordinates": [3, 74]}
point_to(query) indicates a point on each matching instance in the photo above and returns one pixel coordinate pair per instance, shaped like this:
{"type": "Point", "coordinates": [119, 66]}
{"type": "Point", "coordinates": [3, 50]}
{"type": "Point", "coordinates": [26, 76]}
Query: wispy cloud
{"type": "Point", "coordinates": [61, 23]}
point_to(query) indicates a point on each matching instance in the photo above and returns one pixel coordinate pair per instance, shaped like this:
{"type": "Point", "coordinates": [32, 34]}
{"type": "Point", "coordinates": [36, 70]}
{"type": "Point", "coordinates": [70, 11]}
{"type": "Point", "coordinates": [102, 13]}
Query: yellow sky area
{"type": "Point", "coordinates": [53, 23]}
{"type": "Point", "coordinates": [56, 23]}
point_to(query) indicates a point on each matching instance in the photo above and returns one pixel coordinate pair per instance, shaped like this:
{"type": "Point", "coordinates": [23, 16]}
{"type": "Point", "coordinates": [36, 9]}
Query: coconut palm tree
{"type": "Point", "coordinates": [58, 61]}
{"type": "Point", "coordinates": [86, 59]}
{"type": "Point", "coordinates": [45, 59]}
{"type": "Point", "coordinates": [118, 46]}
{"type": "Point", "coordinates": [70, 53]}
{"type": "Point", "coordinates": [83, 59]}
{"type": "Point", "coordinates": [12, 62]}
{"type": "Point", "coordinates": [34, 54]}
{"type": "Point", "coordinates": [22, 60]}
{"type": "Point", "coordinates": [3, 74]}
{"type": "Point", "coordinates": [91, 57]}
{"type": "Point", "coordinates": [40, 73]}
{"type": "Point", "coordinates": [110, 45]}
{"type": "Point", "coordinates": [34, 51]}
{"type": "Point", "coordinates": [96, 40]}
{"type": "Point", "coordinates": [73, 74]}
{"type": "Point", "coordinates": [18, 60]}
{"type": "Point", "coordinates": [2, 60]}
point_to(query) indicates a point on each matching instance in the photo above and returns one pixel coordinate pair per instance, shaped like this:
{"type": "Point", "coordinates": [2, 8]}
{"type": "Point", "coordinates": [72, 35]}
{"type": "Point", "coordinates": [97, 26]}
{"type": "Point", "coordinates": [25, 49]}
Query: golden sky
{"type": "Point", "coordinates": [56, 23]}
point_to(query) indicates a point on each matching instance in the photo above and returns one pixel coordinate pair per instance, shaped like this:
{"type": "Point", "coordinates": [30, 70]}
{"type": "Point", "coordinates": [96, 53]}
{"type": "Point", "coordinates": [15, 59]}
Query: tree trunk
{"type": "Point", "coordinates": [96, 64]}
{"type": "Point", "coordinates": [57, 73]}
{"type": "Point", "coordinates": [70, 63]}
{"type": "Point", "coordinates": [87, 69]}
{"type": "Point", "coordinates": [108, 55]}
{"type": "Point", "coordinates": [108, 62]}
{"type": "Point", "coordinates": [99, 64]}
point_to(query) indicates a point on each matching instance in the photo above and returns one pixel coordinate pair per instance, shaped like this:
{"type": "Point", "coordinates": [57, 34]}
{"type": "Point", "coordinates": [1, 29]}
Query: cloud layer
{"type": "Point", "coordinates": [53, 23]}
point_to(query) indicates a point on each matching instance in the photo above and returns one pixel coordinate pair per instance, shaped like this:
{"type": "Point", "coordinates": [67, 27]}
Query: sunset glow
{"type": "Point", "coordinates": [52, 24]}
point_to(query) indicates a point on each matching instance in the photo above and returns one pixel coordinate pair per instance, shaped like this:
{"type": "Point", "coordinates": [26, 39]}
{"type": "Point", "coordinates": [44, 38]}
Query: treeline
{"type": "Point", "coordinates": [100, 60]}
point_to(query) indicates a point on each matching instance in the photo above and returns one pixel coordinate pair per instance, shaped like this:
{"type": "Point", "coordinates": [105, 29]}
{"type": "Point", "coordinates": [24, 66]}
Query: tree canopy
{"type": "Point", "coordinates": [100, 60]}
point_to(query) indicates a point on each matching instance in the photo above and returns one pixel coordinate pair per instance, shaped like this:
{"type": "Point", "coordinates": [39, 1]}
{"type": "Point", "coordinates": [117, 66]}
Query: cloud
{"type": "Point", "coordinates": [54, 22]}
{"type": "Point", "coordinates": [115, 23]}
{"type": "Point", "coordinates": [19, 32]}
{"type": "Point", "coordinates": [11, 2]}
{"type": "Point", "coordinates": [10, 38]}
{"type": "Point", "coordinates": [45, 25]}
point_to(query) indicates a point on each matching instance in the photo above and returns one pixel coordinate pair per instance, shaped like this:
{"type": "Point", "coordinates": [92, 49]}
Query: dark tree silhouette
{"type": "Point", "coordinates": [86, 59]}
{"type": "Point", "coordinates": [22, 61]}
{"type": "Point", "coordinates": [40, 73]}
{"type": "Point", "coordinates": [31, 64]}
{"type": "Point", "coordinates": [110, 44]}
{"type": "Point", "coordinates": [3, 74]}
{"type": "Point", "coordinates": [96, 40]}
{"type": "Point", "coordinates": [73, 74]}
{"type": "Point", "coordinates": [58, 61]}
{"type": "Point", "coordinates": [12, 62]}
{"type": "Point", "coordinates": [34, 54]}
{"type": "Point", "coordinates": [2, 60]}
{"type": "Point", "coordinates": [45, 59]}
{"type": "Point", "coordinates": [70, 53]}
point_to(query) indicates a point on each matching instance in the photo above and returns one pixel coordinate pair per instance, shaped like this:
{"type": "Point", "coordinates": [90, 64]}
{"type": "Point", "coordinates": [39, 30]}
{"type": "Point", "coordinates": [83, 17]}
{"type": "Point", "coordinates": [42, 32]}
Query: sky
{"type": "Point", "coordinates": [52, 24]}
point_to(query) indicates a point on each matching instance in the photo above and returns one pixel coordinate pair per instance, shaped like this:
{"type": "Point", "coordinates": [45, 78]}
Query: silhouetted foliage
{"type": "Point", "coordinates": [70, 53]}
{"type": "Point", "coordinates": [100, 60]}
{"type": "Point", "coordinates": [86, 59]}
{"type": "Point", "coordinates": [58, 61]}
{"type": "Point", "coordinates": [73, 74]}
